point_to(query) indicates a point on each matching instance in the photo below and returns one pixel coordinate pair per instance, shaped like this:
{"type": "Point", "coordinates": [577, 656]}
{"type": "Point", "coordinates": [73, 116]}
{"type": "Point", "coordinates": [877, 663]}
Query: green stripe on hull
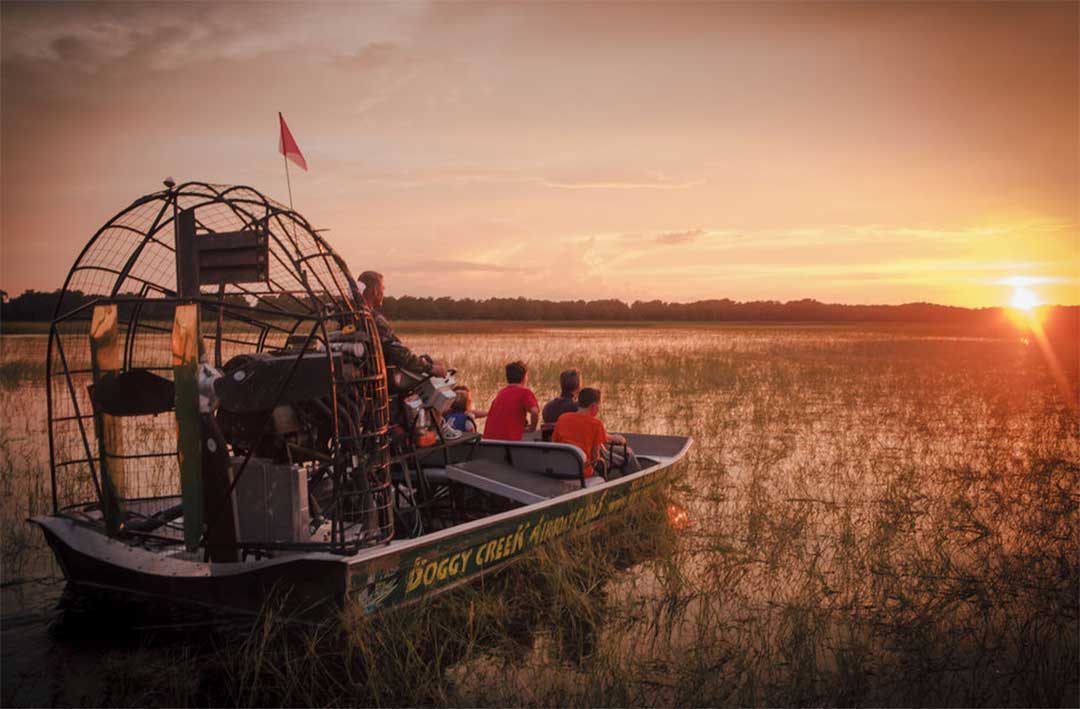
{"type": "Point", "coordinates": [413, 573]}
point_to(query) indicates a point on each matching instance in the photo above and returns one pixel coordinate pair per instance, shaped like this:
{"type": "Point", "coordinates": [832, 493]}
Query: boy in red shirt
{"type": "Point", "coordinates": [583, 429]}
{"type": "Point", "coordinates": [506, 418]}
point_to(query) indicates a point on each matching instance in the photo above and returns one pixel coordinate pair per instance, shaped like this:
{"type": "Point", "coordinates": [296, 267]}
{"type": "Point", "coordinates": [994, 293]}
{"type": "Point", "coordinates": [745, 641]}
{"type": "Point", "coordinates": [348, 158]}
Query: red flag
{"type": "Point", "coordinates": [287, 145]}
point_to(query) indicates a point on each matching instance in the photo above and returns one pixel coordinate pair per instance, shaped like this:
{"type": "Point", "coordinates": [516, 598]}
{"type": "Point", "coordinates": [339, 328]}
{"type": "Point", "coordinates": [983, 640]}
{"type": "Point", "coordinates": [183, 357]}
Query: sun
{"type": "Point", "coordinates": [1025, 309]}
{"type": "Point", "coordinates": [1024, 299]}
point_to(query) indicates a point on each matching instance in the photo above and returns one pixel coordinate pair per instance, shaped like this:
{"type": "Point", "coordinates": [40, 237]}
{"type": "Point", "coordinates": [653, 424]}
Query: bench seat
{"type": "Point", "coordinates": [511, 483]}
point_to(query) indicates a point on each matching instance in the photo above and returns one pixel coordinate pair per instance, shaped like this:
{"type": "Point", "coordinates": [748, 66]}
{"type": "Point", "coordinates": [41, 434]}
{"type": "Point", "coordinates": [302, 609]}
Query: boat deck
{"type": "Point", "coordinates": [511, 483]}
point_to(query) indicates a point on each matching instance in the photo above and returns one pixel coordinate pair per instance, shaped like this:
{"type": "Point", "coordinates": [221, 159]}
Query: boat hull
{"type": "Point", "coordinates": [308, 584]}
{"type": "Point", "coordinates": [304, 583]}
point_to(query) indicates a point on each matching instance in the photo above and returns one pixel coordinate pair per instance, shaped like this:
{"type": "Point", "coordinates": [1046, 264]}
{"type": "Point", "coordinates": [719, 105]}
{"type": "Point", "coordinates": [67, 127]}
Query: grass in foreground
{"type": "Point", "coordinates": [557, 598]}
{"type": "Point", "coordinates": [880, 518]}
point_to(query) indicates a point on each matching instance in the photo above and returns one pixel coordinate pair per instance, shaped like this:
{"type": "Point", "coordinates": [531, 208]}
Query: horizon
{"type": "Point", "coordinates": [718, 299]}
{"type": "Point", "coordinates": [851, 154]}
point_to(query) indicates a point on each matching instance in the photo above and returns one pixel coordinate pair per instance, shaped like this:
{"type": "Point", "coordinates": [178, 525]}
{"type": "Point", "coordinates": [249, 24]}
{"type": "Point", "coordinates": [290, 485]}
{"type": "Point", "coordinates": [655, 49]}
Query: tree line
{"type": "Point", "coordinates": [415, 308]}
{"type": "Point", "coordinates": [40, 305]}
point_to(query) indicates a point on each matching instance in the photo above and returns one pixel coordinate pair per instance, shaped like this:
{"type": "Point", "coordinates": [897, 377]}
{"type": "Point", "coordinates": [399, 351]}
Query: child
{"type": "Point", "coordinates": [583, 428]}
{"type": "Point", "coordinates": [512, 405]}
{"type": "Point", "coordinates": [462, 416]}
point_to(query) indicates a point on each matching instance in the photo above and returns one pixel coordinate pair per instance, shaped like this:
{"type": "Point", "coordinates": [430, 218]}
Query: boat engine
{"type": "Point", "coordinates": [272, 370]}
{"type": "Point", "coordinates": [280, 409]}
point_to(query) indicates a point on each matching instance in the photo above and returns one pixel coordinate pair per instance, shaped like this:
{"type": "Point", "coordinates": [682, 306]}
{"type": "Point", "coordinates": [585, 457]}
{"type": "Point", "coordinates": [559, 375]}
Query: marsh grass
{"type": "Point", "coordinates": [881, 516]}
{"type": "Point", "coordinates": [557, 597]}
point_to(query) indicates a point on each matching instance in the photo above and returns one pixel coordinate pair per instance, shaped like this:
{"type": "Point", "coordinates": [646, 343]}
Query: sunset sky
{"type": "Point", "coordinates": [859, 153]}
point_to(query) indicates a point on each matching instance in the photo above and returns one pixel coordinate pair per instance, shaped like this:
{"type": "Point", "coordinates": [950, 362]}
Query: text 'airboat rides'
{"type": "Point", "coordinates": [222, 426]}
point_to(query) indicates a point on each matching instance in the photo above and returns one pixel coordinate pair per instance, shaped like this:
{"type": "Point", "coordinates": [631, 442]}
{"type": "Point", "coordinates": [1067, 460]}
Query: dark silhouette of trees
{"type": "Point", "coordinates": [39, 306]}
{"type": "Point", "coordinates": [416, 308]}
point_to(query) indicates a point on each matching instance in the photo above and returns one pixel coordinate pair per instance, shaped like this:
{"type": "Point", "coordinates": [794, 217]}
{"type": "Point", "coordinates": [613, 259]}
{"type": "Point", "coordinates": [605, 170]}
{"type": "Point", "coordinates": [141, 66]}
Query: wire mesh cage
{"type": "Point", "coordinates": [272, 298]}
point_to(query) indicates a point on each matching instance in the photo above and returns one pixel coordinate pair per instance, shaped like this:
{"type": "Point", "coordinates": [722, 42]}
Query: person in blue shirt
{"type": "Point", "coordinates": [462, 415]}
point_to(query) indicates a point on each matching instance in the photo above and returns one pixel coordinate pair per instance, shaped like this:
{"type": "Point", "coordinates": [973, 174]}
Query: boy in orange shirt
{"type": "Point", "coordinates": [583, 429]}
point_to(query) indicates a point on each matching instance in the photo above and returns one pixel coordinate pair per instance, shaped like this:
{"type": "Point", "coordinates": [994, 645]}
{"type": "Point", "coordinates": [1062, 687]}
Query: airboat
{"type": "Point", "coordinates": [223, 427]}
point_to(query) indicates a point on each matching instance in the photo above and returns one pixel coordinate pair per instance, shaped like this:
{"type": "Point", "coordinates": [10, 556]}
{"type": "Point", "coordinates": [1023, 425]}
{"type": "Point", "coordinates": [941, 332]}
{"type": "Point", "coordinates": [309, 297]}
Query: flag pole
{"type": "Point", "coordinates": [288, 181]}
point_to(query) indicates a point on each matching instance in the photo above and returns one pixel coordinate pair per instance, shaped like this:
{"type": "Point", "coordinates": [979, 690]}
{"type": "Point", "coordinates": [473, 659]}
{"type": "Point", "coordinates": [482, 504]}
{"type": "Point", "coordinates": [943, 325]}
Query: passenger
{"type": "Point", "coordinates": [585, 430]}
{"type": "Point", "coordinates": [462, 416]}
{"type": "Point", "coordinates": [394, 350]}
{"type": "Point", "coordinates": [566, 402]}
{"type": "Point", "coordinates": [506, 419]}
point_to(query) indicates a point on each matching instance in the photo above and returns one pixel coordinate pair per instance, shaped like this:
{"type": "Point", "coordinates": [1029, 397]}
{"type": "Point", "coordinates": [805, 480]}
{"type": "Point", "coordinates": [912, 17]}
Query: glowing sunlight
{"type": "Point", "coordinates": [1024, 299]}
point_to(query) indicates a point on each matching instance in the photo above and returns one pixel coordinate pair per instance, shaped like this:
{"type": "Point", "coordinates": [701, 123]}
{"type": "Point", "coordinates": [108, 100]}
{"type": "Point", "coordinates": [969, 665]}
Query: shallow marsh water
{"type": "Point", "coordinates": [878, 515]}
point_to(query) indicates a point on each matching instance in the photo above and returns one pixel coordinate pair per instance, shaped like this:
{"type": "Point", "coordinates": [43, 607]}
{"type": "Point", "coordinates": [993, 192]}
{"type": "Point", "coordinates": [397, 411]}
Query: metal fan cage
{"type": "Point", "coordinates": [131, 261]}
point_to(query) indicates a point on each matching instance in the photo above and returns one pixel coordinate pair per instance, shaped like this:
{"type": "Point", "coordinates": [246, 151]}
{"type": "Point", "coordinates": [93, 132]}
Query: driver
{"type": "Point", "coordinates": [394, 350]}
